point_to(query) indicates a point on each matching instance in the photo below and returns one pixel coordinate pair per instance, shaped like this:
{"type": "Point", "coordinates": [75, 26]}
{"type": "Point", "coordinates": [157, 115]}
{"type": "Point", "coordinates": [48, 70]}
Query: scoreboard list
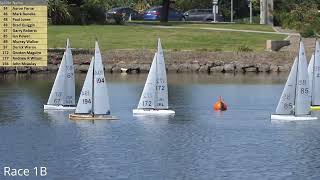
{"type": "Point", "coordinates": [23, 33]}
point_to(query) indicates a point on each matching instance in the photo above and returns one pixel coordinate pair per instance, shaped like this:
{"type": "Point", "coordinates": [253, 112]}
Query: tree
{"type": "Point", "coordinates": [165, 11]}
{"type": "Point", "coordinates": [58, 11]}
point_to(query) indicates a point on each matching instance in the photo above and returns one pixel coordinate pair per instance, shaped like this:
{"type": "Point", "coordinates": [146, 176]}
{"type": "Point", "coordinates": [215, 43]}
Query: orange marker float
{"type": "Point", "coordinates": [220, 105]}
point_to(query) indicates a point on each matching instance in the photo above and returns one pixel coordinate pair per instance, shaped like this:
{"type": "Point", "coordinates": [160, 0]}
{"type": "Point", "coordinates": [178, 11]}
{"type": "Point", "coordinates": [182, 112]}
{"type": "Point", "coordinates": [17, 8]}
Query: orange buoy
{"type": "Point", "coordinates": [220, 105]}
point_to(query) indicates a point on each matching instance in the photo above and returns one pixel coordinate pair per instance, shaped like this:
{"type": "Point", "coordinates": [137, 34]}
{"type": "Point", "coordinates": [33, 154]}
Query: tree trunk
{"type": "Point", "coordinates": [164, 16]}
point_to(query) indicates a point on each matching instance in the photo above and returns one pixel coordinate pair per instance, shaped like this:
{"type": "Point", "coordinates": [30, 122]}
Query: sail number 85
{"type": "Point", "coordinates": [304, 90]}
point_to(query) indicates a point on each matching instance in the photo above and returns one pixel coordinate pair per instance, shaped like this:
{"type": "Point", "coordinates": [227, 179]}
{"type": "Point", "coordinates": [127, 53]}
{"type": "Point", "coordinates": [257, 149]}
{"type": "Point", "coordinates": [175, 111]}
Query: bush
{"type": "Point", "coordinates": [244, 48]}
{"type": "Point", "coordinates": [95, 11]}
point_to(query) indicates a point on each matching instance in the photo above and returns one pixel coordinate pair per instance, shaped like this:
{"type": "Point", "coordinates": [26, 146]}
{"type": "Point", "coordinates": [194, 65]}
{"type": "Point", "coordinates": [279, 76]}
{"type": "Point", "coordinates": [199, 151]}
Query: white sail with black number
{"type": "Point", "coordinates": [147, 99]}
{"type": "Point", "coordinates": [84, 105]}
{"type": "Point", "coordinates": [161, 81]}
{"type": "Point", "coordinates": [57, 92]}
{"type": "Point", "coordinates": [303, 98]}
{"type": "Point", "coordinates": [101, 99]}
{"type": "Point", "coordinates": [69, 85]}
{"type": "Point", "coordinates": [287, 100]}
{"type": "Point", "coordinates": [314, 76]}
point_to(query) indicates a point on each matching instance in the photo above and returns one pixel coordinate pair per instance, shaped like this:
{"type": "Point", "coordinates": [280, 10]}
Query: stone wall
{"type": "Point", "coordinates": [139, 61]}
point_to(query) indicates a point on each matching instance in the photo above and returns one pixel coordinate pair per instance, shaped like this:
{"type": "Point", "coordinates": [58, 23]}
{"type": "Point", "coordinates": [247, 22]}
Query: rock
{"type": "Point", "coordinates": [116, 69]}
{"type": "Point", "coordinates": [218, 63]}
{"type": "Point", "coordinates": [76, 67]}
{"type": "Point", "coordinates": [216, 69]}
{"type": "Point", "coordinates": [144, 68]}
{"type": "Point", "coordinates": [108, 68]}
{"type": "Point", "coordinates": [228, 68]}
{"type": "Point", "coordinates": [195, 67]}
{"type": "Point", "coordinates": [251, 69]}
{"type": "Point", "coordinates": [274, 68]}
{"type": "Point", "coordinates": [204, 68]}
{"type": "Point", "coordinates": [38, 69]}
{"type": "Point", "coordinates": [263, 67]}
{"type": "Point", "coordinates": [83, 68]}
{"type": "Point", "coordinates": [172, 68]}
{"type": "Point", "coordinates": [24, 69]}
{"type": "Point", "coordinates": [186, 67]}
{"type": "Point", "coordinates": [284, 68]}
{"type": "Point", "coordinates": [52, 68]}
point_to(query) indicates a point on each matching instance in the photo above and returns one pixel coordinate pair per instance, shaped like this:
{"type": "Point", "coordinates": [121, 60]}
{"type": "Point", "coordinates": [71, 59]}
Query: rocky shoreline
{"type": "Point", "coordinates": [138, 61]}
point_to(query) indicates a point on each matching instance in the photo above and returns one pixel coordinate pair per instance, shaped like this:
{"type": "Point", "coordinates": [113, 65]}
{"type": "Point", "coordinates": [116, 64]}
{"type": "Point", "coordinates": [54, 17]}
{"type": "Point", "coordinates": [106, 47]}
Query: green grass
{"type": "Point", "coordinates": [256, 27]}
{"type": "Point", "coordinates": [145, 37]}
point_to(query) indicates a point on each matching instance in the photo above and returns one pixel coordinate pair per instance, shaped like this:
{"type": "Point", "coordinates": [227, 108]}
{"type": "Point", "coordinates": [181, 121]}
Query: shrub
{"type": "Point", "coordinates": [244, 48]}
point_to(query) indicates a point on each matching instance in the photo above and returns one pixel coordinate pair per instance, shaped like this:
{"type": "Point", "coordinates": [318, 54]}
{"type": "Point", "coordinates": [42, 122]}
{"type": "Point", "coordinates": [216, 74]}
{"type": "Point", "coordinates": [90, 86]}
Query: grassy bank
{"type": "Point", "coordinates": [144, 37]}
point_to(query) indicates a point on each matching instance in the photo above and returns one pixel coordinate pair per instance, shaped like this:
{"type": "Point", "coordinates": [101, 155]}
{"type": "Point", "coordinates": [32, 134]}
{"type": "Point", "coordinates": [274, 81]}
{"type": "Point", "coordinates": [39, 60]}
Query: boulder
{"type": "Point", "coordinates": [229, 68]}
{"type": "Point", "coordinates": [216, 69]}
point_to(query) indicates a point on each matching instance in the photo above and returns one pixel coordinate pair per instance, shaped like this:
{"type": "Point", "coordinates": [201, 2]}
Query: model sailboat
{"type": "Point", "coordinates": [294, 104]}
{"type": "Point", "coordinates": [154, 98]}
{"type": "Point", "coordinates": [314, 78]}
{"type": "Point", "coordinates": [93, 103]}
{"type": "Point", "coordinates": [62, 96]}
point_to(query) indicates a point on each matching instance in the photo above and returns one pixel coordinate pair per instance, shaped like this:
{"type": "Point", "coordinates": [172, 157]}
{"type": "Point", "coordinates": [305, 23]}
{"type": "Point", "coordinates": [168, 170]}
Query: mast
{"type": "Point", "coordinates": [92, 95]}
{"type": "Point", "coordinates": [313, 70]}
{"type": "Point", "coordinates": [155, 92]}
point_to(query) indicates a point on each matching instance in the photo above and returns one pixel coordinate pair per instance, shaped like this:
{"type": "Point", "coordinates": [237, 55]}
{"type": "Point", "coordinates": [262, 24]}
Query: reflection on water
{"type": "Point", "coordinates": [197, 143]}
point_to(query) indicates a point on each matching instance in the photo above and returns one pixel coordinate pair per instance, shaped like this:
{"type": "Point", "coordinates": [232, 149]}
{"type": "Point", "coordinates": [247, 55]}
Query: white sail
{"type": "Point", "coordinates": [57, 92]}
{"type": "Point", "coordinates": [147, 99]}
{"type": "Point", "coordinates": [287, 100]}
{"type": "Point", "coordinates": [303, 98]}
{"type": "Point", "coordinates": [310, 72]}
{"type": "Point", "coordinates": [69, 85]}
{"type": "Point", "coordinates": [315, 76]}
{"type": "Point", "coordinates": [161, 81]}
{"type": "Point", "coordinates": [84, 105]}
{"type": "Point", "coordinates": [100, 92]}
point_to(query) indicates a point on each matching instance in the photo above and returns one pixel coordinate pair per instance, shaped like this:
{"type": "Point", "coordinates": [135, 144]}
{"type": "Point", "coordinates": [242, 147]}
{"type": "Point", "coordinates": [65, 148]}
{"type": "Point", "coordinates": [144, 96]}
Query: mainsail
{"type": "Point", "coordinates": [287, 100]}
{"type": "Point", "coordinates": [314, 75]}
{"type": "Point", "coordinates": [100, 99]}
{"type": "Point", "coordinates": [161, 81]}
{"type": "Point", "coordinates": [147, 99]}
{"type": "Point", "coordinates": [84, 105]}
{"type": "Point", "coordinates": [303, 98]}
{"type": "Point", "coordinates": [69, 84]}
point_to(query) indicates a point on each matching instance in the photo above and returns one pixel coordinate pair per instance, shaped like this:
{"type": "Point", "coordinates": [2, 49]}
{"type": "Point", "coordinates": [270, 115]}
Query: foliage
{"type": "Point", "coordinates": [303, 17]}
{"type": "Point", "coordinates": [58, 11]}
{"type": "Point", "coordinates": [244, 48]}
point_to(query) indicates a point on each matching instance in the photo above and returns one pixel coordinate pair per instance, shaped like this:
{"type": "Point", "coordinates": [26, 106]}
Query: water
{"type": "Point", "coordinates": [197, 143]}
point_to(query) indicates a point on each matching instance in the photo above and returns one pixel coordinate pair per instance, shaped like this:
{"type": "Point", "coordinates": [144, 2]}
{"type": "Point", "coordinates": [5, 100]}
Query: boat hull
{"type": "Point", "coordinates": [315, 108]}
{"type": "Point", "coordinates": [58, 107]}
{"type": "Point", "coordinates": [275, 117]}
{"type": "Point", "coordinates": [91, 117]}
{"type": "Point", "coordinates": [164, 112]}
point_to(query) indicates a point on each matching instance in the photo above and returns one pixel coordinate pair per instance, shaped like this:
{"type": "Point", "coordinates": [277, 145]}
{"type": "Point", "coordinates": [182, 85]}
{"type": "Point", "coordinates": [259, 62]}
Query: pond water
{"type": "Point", "coordinates": [198, 143]}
